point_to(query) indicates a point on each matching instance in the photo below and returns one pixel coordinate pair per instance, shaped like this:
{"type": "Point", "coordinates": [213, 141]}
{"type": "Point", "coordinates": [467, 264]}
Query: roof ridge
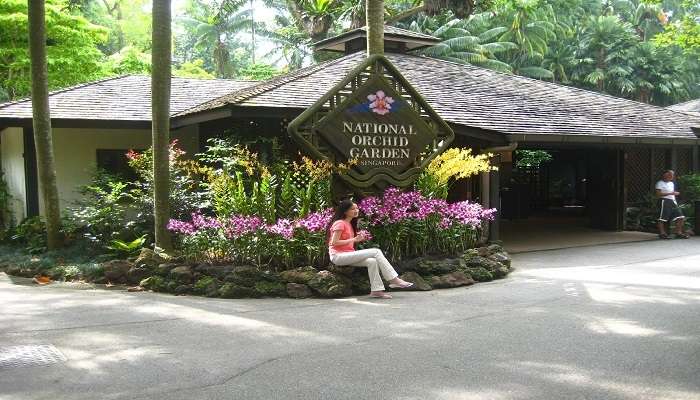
{"type": "Point", "coordinates": [195, 78]}
{"type": "Point", "coordinates": [684, 102]}
{"type": "Point", "coordinates": [67, 89]}
{"type": "Point", "coordinates": [262, 87]}
{"type": "Point", "coordinates": [574, 88]}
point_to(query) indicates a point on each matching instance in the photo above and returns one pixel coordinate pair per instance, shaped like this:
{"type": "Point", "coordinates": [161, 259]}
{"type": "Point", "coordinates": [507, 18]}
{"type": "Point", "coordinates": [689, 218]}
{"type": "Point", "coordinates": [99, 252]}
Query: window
{"type": "Point", "coordinates": [116, 163]}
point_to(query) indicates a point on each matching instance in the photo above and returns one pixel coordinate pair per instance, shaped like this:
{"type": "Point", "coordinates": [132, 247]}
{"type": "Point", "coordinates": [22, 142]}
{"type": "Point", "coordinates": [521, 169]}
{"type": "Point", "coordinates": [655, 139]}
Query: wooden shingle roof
{"type": "Point", "coordinates": [692, 107]}
{"type": "Point", "coordinates": [476, 97]}
{"type": "Point", "coordinates": [124, 98]}
{"type": "Point", "coordinates": [412, 40]}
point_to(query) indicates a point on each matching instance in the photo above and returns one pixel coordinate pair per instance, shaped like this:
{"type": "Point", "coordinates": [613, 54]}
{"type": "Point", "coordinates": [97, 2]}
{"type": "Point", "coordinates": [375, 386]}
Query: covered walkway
{"type": "Point", "coordinates": [548, 233]}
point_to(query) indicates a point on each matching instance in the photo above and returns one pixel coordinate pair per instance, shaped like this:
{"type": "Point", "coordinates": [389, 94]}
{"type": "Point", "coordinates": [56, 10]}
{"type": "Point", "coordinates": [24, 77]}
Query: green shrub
{"type": "Point", "coordinates": [689, 186]}
{"type": "Point", "coordinates": [30, 233]}
{"type": "Point", "coordinates": [5, 213]}
{"type": "Point", "coordinates": [121, 249]}
{"type": "Point", "coordinates": [100, 215]}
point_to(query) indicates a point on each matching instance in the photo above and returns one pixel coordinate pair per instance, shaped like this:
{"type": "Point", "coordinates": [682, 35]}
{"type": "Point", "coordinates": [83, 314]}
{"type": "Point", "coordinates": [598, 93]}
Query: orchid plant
{"type": "Point", "coordinates": [404, 224]}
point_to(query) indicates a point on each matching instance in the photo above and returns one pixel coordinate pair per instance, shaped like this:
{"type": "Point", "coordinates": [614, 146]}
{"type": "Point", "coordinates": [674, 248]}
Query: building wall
{"type": "Point", "coordinates": [11, 154]}
{"type": "Point", "coordinates": [75, 151]}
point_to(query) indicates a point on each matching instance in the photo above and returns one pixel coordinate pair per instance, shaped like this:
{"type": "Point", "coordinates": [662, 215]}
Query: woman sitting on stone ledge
{"type": "Point", "coordinates": [341, 248]}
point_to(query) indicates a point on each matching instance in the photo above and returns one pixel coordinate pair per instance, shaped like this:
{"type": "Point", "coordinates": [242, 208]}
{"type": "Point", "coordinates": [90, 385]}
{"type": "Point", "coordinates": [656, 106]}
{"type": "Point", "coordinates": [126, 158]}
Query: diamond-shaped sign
{"type": "Point", "coordinates": [377, 128]}
{"type": "Point", "coordinates": [376, 119]}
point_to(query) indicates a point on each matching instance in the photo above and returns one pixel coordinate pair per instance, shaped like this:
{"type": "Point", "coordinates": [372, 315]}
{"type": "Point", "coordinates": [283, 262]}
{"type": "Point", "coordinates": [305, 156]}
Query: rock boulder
{"type": "Point", "coordinates": [137, 274]}
{"type": "Point", "coordinates": [298, 291]}
{"type": "Point", "coordinates": [149, 258]}
{"type": "Point", "coordinates": [450, 280]}
{"type": "Point", "coordinates": [329, 284]}
{"type": "Point", "coordinates": [418, 282]}
{"type": "Point", "coordinates": [181, 274]}
{"type": "Point", "coordinates": [233, 291]}
{"type": "Point", "coordinates": [116, 270]}
{"type": "Point", "coordinates": [298, 275]}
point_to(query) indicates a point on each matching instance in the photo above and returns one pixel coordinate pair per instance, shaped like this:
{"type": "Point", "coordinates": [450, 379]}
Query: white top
{"type": "Point", "coordinates": [666, 187]}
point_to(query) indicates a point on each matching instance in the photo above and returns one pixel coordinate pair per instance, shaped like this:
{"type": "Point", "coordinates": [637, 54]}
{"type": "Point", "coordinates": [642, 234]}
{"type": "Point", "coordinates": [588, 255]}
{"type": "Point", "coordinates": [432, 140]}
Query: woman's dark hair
{"type": "Point", "coordinates": [340, 211]}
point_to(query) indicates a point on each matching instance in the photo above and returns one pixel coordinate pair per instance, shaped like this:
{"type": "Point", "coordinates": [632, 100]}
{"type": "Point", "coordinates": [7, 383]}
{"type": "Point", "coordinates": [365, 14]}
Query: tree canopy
{"type": "Point", "coordinates": [72, 45]}
{"type": "Point", "coordinates": [646, 50]}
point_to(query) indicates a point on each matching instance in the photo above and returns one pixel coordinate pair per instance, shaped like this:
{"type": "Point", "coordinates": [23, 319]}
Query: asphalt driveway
{"type": "Point", "coordinates": [617, 321]}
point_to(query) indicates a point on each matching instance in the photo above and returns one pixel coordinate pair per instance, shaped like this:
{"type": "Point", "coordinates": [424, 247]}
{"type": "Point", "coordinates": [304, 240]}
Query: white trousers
{"type": "Point", "coordinates": [373, 259]}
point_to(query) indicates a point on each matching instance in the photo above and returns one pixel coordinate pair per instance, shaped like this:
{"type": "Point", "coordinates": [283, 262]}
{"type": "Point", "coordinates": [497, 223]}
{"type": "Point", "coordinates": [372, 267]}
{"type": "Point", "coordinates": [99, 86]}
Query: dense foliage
{"type": "Point", "coordinates": [230, 206]}
{"type": "Point", "coordinates": [642, 50]}
{"type": "Point", "coordinates": [72, 45]}
{"type": "Point", "coordinates": [5, 212]}
{"type": "Point", "coordinates": [620, 48]}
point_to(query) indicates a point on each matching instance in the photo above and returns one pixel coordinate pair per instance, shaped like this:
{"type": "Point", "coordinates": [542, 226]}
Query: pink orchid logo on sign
{"type": "Point", "coordinates": [380, 103]}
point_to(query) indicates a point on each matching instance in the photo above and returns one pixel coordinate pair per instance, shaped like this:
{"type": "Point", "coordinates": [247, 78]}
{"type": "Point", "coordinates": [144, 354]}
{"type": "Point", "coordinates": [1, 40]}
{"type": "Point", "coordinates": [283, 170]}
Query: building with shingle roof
{"type": "Point", "coordinates": [119, 99]}
{"type": "Point", "coordinates": [607, 150]}
{"type": "Point", "coordinates": [95, 124]}
{"type": "Point", "coordinates": [511, 107]}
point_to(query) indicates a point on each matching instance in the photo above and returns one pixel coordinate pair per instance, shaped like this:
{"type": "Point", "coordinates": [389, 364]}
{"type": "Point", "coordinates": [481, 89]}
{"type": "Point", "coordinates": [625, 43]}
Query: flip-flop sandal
{"type": "Point", "coordinates": [381, 296]}
{"type": "Point", "coordinates": [400, 286]}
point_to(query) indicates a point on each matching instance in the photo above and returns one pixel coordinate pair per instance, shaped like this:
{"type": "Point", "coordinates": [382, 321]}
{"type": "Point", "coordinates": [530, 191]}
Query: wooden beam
{"type": "Point", "coordinates": [495, 200]}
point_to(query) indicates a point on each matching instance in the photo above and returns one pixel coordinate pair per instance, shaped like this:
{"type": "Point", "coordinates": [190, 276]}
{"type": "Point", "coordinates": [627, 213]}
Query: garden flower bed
{"type": "Point", "coordinates": [243, 228]}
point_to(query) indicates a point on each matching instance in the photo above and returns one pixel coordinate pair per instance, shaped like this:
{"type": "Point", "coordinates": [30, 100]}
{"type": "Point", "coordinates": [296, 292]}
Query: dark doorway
{"type": "Point", "coordinates": [568, 186]}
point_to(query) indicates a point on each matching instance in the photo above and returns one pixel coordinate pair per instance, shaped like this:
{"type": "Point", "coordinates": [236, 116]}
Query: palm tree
{"type": "Point", "coordinates": [215, 26]}
{"type": "Point", "coordinates": [560, 59]}
{"type": "Point", "coordinates": [314, 17]}
{"type": "Point", "coordinates": [354, 11]}
{"type": "Point", "coordinates": [531, 28]}
{"type": "Point", "coordinates": [604, 39]}
{"type": "Point", "coordinates": [291, 43]}
{"type": "Point", "coordinates": [657, 76]}
{"type": "Point", "coordinates": [471, 40]}
{"type": "Point", "coordinates": [459, 8]}
{"type": "Point", "coordinates": [41, 121]}
{"type": "Point", "coordinates": [375, 27]}
{"type": "Point", "coordinates": [160, 102]}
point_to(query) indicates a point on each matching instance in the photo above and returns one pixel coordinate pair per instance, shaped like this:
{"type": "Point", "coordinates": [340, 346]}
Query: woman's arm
{"type": "Point", "coordinates": [337, 241]}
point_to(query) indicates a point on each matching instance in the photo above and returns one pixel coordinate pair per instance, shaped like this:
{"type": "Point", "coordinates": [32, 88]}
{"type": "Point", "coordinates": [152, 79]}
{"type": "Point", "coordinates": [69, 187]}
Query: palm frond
{"type": "Point", "coordinates": [536, 72]}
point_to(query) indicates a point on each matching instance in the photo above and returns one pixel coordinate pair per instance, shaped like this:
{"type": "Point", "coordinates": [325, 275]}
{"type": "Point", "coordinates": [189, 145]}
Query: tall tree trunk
{"type": "Point", "coordinates": [42, 123]}
{"type": "Point", "coordinates": [160, 102]}
{"type": "Point", "coordinates": [252, 28]}
{"type": "Point", "coordinates": [601, 65]}
{"type": "Point", "coordinates": [375, 26]}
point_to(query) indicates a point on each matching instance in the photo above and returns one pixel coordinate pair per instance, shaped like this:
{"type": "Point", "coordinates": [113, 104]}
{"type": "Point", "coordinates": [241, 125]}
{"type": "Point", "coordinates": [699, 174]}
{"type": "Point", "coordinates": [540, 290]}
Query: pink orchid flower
{"type": "Point", "coordinates": [380, 102]}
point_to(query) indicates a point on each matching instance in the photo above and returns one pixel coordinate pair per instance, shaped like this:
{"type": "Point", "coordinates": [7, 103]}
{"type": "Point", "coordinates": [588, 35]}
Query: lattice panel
{"type": "Point", "coordinates": [684, 161]}
{"type": "Point", "coordinates": [637, 174]}
{"type": "Point", "coordinates": [659, 163]}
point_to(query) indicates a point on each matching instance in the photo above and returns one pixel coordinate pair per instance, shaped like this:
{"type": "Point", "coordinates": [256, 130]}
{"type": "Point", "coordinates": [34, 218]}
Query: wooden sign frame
{"type": "Point", "coordinates": [377, 71]}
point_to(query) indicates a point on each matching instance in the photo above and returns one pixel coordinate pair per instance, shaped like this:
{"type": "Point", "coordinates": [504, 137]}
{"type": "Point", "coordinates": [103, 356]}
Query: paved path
{"type": "Point", "coordinates": [607, 322]}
